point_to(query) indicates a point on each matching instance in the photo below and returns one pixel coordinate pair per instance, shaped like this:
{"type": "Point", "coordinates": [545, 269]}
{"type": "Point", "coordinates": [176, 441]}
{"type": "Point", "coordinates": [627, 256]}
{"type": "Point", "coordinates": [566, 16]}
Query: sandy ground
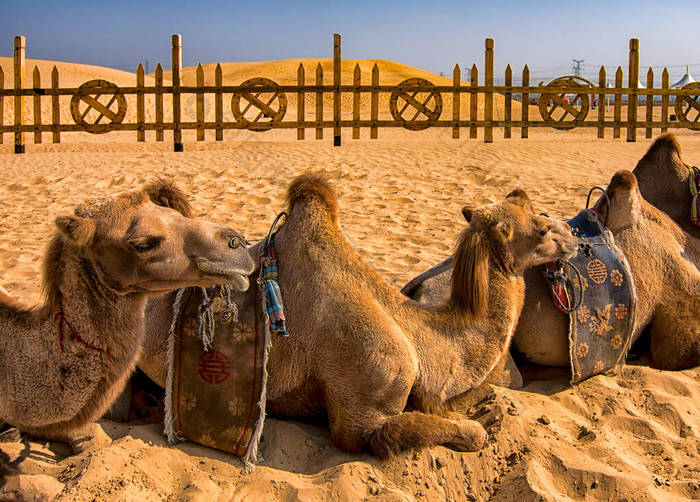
{"type": "Point", "coordinates": [632, 436]}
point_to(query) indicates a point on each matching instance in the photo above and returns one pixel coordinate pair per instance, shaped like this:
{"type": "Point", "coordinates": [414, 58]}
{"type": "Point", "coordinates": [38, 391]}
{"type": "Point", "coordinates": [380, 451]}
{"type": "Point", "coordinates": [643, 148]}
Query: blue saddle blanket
{"type": "Point", "coordinates": [601, 328]}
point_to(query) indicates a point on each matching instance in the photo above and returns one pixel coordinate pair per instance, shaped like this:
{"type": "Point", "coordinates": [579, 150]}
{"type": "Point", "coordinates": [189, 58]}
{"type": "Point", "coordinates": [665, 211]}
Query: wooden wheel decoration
{"type": "Point", "coordinates": [567, 112]}
{"type": "Point", "coordinates": [688, 107]}
{"type": "Point", "coordinates": [93, 101]}
{"type": "Point", "coordinates": [425, 104]}
{"type": "Point", "coordinates": [270, 106]}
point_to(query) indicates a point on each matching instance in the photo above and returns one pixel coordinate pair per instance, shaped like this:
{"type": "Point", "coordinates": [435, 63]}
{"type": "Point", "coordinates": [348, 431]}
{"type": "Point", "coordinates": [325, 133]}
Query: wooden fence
{"type": "Point", "coordinates": [260, 104]}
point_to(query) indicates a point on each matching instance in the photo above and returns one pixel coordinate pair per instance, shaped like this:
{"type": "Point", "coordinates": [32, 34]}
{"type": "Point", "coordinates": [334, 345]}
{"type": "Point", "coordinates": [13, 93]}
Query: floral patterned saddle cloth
{"type": "Point", "coordinates": [213, 389]}
{"type": "Point", "coordinates": [600, 299]}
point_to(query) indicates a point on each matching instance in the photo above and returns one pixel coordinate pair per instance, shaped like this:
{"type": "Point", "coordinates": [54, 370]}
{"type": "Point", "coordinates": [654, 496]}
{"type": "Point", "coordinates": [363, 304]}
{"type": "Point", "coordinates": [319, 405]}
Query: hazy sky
{"type": "Point", "coordinates": [431, 35]}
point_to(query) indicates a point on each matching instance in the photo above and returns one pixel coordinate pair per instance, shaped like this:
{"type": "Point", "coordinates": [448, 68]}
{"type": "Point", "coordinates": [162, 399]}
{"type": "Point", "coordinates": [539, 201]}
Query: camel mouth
{"type": "Point", "coordinates": [569, 251]}
{"type": "Point", "coordinates": [234, 275]}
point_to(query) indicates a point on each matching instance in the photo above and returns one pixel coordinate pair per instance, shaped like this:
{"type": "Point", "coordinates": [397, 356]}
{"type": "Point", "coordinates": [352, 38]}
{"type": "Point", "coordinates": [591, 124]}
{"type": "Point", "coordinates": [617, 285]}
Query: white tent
{"type": "Point", "coordinates": [685, 79]}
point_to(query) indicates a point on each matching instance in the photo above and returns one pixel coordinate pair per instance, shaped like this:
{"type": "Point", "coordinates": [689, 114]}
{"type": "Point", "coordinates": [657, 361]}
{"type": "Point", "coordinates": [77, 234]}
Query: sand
{"type": "Point", "coordinates": [631, 436]}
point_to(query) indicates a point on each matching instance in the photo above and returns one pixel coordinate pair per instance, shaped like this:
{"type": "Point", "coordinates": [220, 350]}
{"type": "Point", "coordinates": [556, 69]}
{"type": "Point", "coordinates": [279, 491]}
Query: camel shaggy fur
{"type": "Point", "coordinates": [64, 362]}
{"type": "Point", "coordinates": [664, 262]}
{"type": "Point", "coordinates": [360, 353]}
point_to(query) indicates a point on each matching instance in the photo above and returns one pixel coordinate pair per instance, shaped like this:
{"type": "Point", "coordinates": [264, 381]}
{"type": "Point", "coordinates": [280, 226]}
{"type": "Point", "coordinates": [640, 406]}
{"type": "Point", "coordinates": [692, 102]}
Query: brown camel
{"type": "Point", "coordinates": [64, 362]}
{"type": "Point", "coordinates": [360, 351]}
{"type": "Point", "coordinates": [663, 260]}
{"type": "Point", "coordinates": [663, 181]}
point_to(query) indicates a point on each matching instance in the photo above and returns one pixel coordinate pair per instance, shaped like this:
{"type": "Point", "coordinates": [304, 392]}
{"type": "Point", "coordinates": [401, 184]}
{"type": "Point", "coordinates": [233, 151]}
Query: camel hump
{"type": "Point", "coordinates": [164, 192]}
{"type": "Point", "coordinates": [313, 186]}
{"type": "Point", "coordinates": [623, 180]}
{"type": "Point", "coordinates": [666, 141]}
{"type": "Point", "coordinates": [662, 150]}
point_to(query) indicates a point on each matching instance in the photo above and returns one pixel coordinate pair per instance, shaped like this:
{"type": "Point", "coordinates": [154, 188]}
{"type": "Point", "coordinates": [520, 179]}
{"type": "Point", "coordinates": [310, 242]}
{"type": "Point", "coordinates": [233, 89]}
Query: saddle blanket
{"type": "Point", "coordinates": [601, 328]}
{"type": "Point", "coordinates": [214, 393]}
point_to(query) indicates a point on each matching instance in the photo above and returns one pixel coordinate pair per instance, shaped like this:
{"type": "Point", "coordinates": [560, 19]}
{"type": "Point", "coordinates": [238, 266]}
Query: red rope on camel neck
{"type": "Point", "coordinates": [61, 318]}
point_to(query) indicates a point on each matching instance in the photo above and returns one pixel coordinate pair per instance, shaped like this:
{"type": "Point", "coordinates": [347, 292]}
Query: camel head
{"type": "Point", "coordinates": [508, 236]}
{"type": "Point", "coordinates": [146, 242]}
{"type": "Point", "coordinates": [626, 202]}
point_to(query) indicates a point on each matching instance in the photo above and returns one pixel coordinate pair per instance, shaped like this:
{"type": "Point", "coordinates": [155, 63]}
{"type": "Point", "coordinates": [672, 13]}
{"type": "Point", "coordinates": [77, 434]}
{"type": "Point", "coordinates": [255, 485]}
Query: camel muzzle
{"type": "Point", "coordinates": [234, 275]}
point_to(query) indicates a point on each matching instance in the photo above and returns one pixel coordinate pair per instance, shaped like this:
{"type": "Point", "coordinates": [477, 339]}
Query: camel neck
{"type": "Point", "coordinates": [91, 317]}
{"type": "Point", "coordinates": [467, 350]}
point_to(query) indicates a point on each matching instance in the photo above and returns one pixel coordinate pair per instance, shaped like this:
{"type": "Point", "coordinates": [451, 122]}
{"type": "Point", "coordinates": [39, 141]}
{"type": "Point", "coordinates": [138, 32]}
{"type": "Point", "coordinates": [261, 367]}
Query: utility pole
{"type": "Point", "coordinates": [576, 67]}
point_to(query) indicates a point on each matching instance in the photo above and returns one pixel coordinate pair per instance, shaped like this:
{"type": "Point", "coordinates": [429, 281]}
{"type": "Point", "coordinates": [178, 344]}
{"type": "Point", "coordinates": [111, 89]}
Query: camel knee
{"type": "Point", "coordinates": [506, 373]}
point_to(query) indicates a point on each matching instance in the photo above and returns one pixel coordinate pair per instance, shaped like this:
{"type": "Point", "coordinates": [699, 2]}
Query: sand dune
{"type": "Point", "coordinates": [632, 436]}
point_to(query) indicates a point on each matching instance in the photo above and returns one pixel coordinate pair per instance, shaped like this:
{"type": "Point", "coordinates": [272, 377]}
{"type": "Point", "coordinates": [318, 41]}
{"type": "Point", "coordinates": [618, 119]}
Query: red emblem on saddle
{"type": "Point", "coordinates": [214, 367]}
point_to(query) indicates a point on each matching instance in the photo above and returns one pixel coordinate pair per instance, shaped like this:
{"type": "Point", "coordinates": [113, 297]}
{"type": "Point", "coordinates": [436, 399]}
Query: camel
{"type": "Point", "coordinates": [359, 352]}
{"type": "Point", "coordinates": [664, 262]}
{"type": "Point", "coordinates": [663, 181]}
{"type": "Point", "coordinates": [64, 362]}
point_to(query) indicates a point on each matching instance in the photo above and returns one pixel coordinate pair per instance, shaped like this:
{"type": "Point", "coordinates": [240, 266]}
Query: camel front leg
{"type": "Point", "coordinates": [416, 429]}
{"type": "Point", "coordinates": [384, 436]}
{"type": "Point", "coordinates": [675, 341]}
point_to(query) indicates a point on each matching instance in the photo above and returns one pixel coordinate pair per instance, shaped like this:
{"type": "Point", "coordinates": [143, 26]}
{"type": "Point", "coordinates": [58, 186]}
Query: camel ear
{"type": "Point", "coordinates": [504, 230]}
{"type": "Point", "coordinates": [519, 198]}
{"type": "Point", "coordinates": [164, 193]}
{"type": "Point", "coordinates": [467, 213]}
{"type": "Point", "coordinates": [79, 230]}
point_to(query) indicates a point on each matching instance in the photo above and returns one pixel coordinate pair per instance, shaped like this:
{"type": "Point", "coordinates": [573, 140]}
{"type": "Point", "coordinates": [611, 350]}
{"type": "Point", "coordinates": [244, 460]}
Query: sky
{"type": "Point", "coordinates": [433, 35]}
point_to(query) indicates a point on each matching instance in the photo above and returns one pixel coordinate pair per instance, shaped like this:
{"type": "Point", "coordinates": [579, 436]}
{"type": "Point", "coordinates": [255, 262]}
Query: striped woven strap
{"type": "Point", "coordinates": [694, 183]}
{"type": "Point", "coordinates": [694, 180]}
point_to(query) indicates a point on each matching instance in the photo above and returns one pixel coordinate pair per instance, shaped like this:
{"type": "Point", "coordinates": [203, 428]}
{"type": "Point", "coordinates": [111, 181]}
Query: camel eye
{"type": "Point", "coordinates": [234, 242]}
{"type": "Point", "coordinates": [146, 243]}
{"type": "Point", "coordinates": [543, 232]}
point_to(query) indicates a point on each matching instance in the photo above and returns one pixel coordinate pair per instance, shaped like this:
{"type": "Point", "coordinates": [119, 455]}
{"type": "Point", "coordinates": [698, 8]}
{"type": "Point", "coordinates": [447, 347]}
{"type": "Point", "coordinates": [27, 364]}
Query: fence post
{"type": "Point", "coordinates": [336, 91]}
{"type": "Point", "coordinates": [319, 102]}
{"type": "Point", "coordinates": [602, 84]}
{"type": "Point", "coordinates": [634, 85]}
{"type": "Point", "coordinates": [374, 103]}
{"type": "Point", "coordinates": [617, 110]}
{"type": "Point", "coordinates": [2, 103]}
{"type": "Point", "coordinates": [473, 101]}
{"type": "Point", "coordinates": [525, 100]}
{"type": "Point", "coordinates": [456, 82]}
{"type": "Point", "coordinates": [140, 104]}
{"type": "Point", "coordinates": [356, 81]}
{"type": "Point", "coordinates": [55, 107]}
{"type": "Point", "coordinates": [219, 102]}
{"type": "Point", "coordinates": [508, 103]}
{"type": "Point", "coordinates": [200, 102]}
{"type": "Point", "coordinates": [650, 101]}
{"type": "Point", "coordinates": [664, 100]}
{"type": "Point", "coordinates": [301, 103]}
{"type": "Point", "coordinates": [159, 103]}
{"type": "Point", "coordinates": [19, 61]}
{"type": "Point", "coordinates": [488, 96]}
{"type": "Point", "coordinates": [36, 77]}
{"type": "Point", "coordinates": [177, 78]}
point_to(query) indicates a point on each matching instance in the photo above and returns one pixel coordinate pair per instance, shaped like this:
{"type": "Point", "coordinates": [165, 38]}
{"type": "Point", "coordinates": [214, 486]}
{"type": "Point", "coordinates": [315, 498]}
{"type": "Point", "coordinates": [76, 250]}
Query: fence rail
{"type": "Point", "coordinates": [260, 104]}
